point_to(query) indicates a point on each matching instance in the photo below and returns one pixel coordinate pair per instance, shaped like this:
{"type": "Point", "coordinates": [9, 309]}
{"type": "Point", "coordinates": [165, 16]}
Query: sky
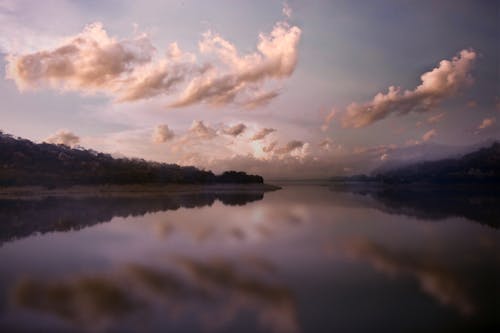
{"type": "Point", "coordinates": [294, 89]}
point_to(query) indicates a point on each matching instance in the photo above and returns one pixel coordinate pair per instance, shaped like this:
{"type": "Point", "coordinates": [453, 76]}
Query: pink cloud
{"type": "Point", "coordinates": [276, 58]}
{"type": "Point", "coordinates": [328, 119]}
{"type": "Point", "coordinates": [438, 84]}
{"type": "Point", "coordinates": [487, 122]}
{"type": "Point", "coordinates": [429, 135]}
{"type": "Point", "coordinates": [63, 137]}
{"type": "Point", "coordinates": [162, 133]}
{"type": "Point", "coordinates": [129, 69]}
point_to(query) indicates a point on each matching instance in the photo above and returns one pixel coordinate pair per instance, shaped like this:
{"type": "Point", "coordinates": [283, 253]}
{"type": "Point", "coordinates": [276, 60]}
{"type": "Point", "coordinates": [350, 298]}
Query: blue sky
{"type": "Point", "coordinates": [346, 52]}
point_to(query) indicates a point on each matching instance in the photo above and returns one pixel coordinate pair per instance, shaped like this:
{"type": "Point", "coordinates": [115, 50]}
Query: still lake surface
{"type": "Point", "coordinates": [307, 258]}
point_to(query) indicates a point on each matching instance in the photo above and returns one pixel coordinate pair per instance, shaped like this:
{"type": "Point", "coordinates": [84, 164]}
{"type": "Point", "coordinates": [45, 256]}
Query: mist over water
{"type": "Point", "coordinates": [307, 258]}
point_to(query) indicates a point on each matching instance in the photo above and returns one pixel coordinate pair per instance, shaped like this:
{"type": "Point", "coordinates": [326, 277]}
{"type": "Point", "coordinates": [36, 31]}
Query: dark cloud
{"type": "Point", "coordinates": [290, 147]}
{"type": "Point", "coordinates": [235, 130]}
{"type": "Point", "coordinates": [261, 134]}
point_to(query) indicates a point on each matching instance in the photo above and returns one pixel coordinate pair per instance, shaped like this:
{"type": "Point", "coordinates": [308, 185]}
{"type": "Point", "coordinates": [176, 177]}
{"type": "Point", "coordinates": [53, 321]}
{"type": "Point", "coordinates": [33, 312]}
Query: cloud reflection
{"type": "Point", "coordinates": [217, 291]}
{"type": "Point", "coordinates": [434, 279]}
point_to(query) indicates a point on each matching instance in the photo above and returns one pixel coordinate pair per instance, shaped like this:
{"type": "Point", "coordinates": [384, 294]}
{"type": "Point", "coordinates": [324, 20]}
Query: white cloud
{"type": "Point", "coordinates": [162, 134]}
{"type": "Point", "coordinates": [287, 10]}
{"type": "Point", "coordinates": [440, 83]}
{"type": "Point", "coordinates": [63, 137]}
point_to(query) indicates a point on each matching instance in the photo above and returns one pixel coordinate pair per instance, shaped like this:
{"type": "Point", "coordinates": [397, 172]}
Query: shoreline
{"type": "Point", "coordinates": [415, 187]}
{"type": "Point", "coordinates": [140, 190]}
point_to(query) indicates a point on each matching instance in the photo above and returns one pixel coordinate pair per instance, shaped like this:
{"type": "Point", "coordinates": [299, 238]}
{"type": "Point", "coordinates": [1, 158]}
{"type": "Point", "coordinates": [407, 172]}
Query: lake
{"type": "Point", "coordinates": [306, 258]}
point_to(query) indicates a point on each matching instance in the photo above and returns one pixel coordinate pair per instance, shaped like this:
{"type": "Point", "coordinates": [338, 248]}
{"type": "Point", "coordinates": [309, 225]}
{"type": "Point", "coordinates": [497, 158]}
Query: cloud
{"type": "Point", "coordinates": [206, 146]}
{"type": "Point", "coordinates": [384, 157]}
{"type": "Point", "coordinates": [270, 147]}
{"type": "Point", "coordinates": [199, 130]}
{"type": "Point", "coordinates": [262, 134]}
{"type": "Point", "coordinates": [328, 119]}
{"type": "Point", "coordinates": [441, 284]}
{"type": "Point", "coordinates": [83, 301]}
{"type": "Point", "coordinates": [435, 119]}
{"type": "Point", "coordinates": [290, 147]}
{"type": "Point", "coordinates": [261, 99]}
{"type": "Point", "coordinates": [89, 61]}
{"type": "Point", "coordinates": [287, 10]}
{"type": "Point", "coordinates": [429, 135]}
{"type": "Point", "coordinates": [326, 144]}
{"type": "Point", "coordinates": [130, 69]}
{"type": "Point", "coordinates": [276, 58]}
{"type": "Point", "coordinates": [105, 301]}
{"type": "Point", "coordinates": [199, 138]}
{"type": "Point", "coordinates": [162, 134]}
{"type": "Point", "coordinates": [158, 78]}
{"type": "Point", "coordinates": [63, 137]}
{"type": "Point", "coordinates": [440, 83]}
{"type": "Point", "coordinates": [487, 122]}
{"type": "Point", "coordinates": [235, 130]}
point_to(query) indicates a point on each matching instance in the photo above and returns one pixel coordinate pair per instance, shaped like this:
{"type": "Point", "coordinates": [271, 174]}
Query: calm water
{"type": "Point", "coordinates": [307, 258]}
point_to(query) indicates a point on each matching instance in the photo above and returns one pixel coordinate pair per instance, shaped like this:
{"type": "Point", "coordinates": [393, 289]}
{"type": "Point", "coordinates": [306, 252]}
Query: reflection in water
{"type": "Point", "coordinates": [434, 203]}
{"type": "Point", "coordinates": [443, 285]}
{"type": "Point", "coordinates": [83, 300]}
{"type": "Point", "coordinates": [304, 259]}
{"type": "Point", "coordinates": [22, 218]}
{"type": "Point", "coordinates": [470, 287]}
{"type": "Point", "coordinates": [216, 290]}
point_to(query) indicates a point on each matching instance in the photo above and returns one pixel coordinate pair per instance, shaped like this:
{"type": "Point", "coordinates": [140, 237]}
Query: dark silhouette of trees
{"type": "Point", "coordinates": [23, 162]}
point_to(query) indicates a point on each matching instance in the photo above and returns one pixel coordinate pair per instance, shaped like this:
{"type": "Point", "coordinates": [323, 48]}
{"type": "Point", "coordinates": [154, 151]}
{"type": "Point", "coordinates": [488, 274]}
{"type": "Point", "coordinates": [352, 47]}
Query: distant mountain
{"type": "Point", "coordinates": [480, 166]}
{"type": "Point", "coordinates": [23, 162]}
{"type": "Point", "coordinates": [425, 152]}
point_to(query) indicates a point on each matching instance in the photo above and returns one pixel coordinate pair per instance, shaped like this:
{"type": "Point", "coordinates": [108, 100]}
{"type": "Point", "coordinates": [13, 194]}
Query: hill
{"type": "Point", "coordinates": [481, 166]}
{"type": "Point", "coordinates": [478, 167]}
{"type": "Point", "coordinates": [23, 162]}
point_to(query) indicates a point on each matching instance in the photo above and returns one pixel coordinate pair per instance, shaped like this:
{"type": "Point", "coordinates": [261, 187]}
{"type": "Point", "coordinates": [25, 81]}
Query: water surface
{"type": "Point", "coordinates": [307, 258]}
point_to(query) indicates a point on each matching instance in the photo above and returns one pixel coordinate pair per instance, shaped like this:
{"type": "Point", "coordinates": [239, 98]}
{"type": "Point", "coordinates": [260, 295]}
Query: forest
{"type": "Point", "coordinates": [25, 163]}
